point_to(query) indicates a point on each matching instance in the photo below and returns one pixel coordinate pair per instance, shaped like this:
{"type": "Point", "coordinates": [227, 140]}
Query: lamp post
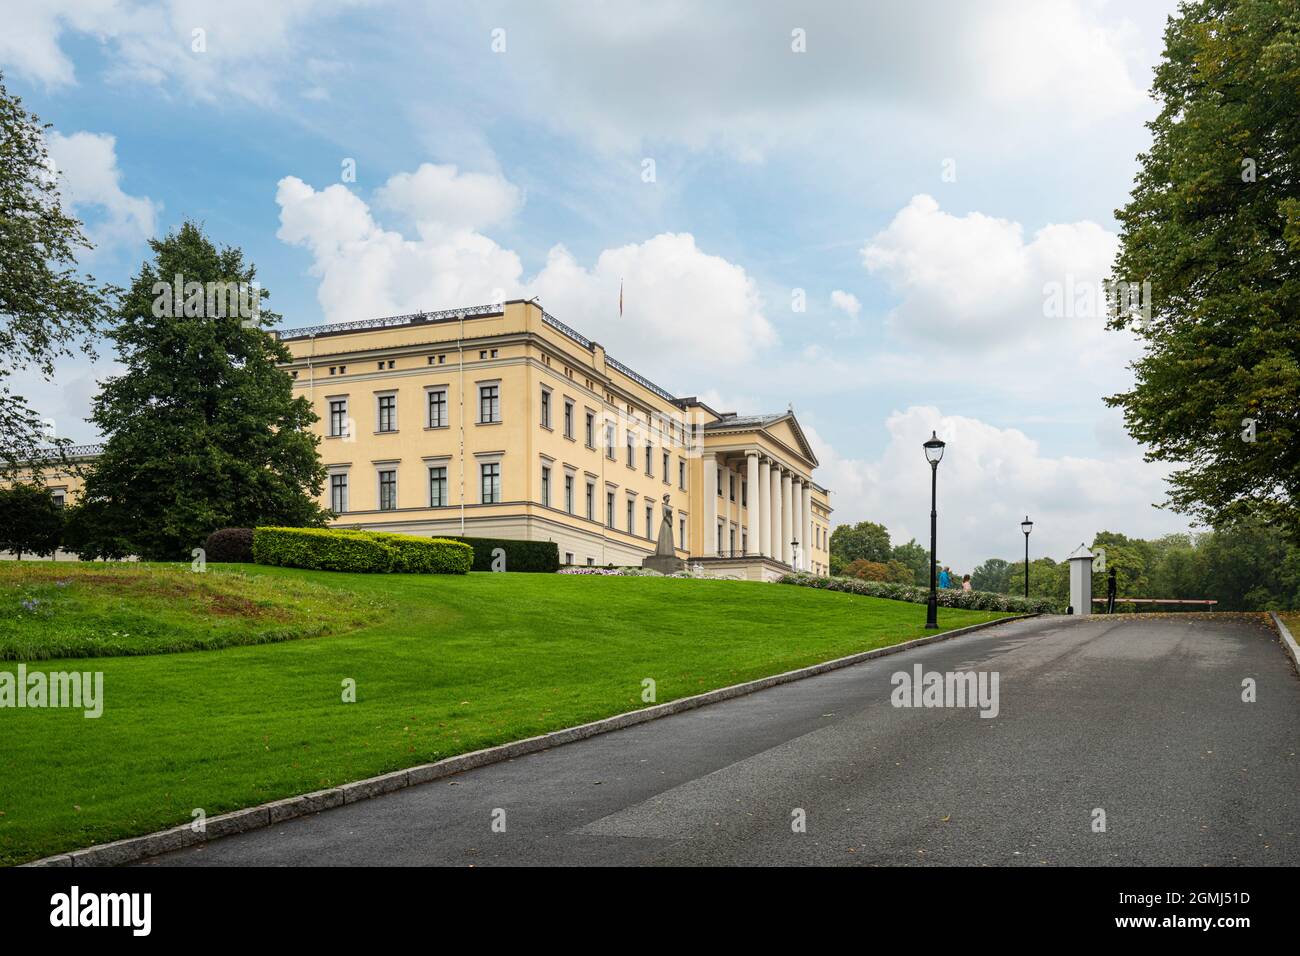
{"type": "Point", "coordinates": [933, 454]}
{"type": "Point", "coordinates": [794, 553]}
{"type": "Point", "coordinates": [1026, 526]}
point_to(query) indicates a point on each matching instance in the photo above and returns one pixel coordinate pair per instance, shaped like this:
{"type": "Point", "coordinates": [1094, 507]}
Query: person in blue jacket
{"type": "Point", "coordinates": [945, 580]}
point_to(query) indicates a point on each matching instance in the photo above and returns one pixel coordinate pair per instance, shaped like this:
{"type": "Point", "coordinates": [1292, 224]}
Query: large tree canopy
{"type": "Point", "coordinates": [202, 430]}
{"type": "Point", "coordinates": [1213, 224]}
{"type": "Point", "coordinates": [45, 306]}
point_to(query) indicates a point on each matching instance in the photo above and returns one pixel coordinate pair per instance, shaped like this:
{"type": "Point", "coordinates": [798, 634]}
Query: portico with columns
{"type": "Point", "coordinates": [758, 516]}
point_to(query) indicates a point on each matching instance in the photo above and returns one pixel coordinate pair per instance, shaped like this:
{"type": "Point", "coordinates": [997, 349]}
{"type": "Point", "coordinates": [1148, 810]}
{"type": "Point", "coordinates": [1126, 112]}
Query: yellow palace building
{"type": "Point", "coordinates": [500, 421]}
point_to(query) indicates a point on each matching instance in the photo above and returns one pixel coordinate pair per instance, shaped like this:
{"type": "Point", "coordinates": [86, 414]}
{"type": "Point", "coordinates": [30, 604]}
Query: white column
{"type": "Point", "coordinates": [776, 511]}
{"type": "Point", "coordinates": [710, 466]}
{"type": "Point", "coordinates": [751, 504]}
{"type": "Point", "coordinates": [796, 519]}
{"type": "Point", "coordinates": [807, 525]}
{"type": "Point", "coordinates": [785, 518]}
{"type": "Point", "coordinates": [764, 504]}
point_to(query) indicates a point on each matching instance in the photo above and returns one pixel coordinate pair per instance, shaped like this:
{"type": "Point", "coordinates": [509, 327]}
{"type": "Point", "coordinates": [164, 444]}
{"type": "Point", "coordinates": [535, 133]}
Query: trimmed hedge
{"type": "Point", "coordinates": [233, 545]}
{"type": "Point", "coordinates": [322, 550]}
{"type": "Point", "coordinates": [947, 597]}
{"type": "Point", "coordinates": [366, 552]}
{"type": "Point", "coordinates": [426, 555]}
{"type": "Point", "coordinates": [539, 556]}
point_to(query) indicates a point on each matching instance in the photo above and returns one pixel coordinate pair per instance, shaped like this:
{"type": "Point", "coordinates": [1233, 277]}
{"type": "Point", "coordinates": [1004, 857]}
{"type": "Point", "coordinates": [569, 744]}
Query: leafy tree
{"type": "Point", "coordinates": [993, 575]}
{"type": "Point", "coordinates": [202, 430]}
{"type": "Point", "coordinates": [1213, 224]}
{"type": "Point", "coordinates": [916, 559]}
{"type": "Point", "coordinates": [30, 520]}
{"type": "Point", "coordinates": [1046, 579]}
{"type": "Point", "coordinates": [45, 306]}
{"type": "Point", "coordinates": [865, 540]}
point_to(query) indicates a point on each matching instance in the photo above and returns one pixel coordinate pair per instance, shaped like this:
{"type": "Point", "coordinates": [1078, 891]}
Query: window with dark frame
{"type": "Point", "coordinates": [490, 483]}
{"type": "Point", "coordinates": [489, 403]}
{"type": "Point", "coordinates": [387, 490]}
{"type": "Point", "coordinates": [437, 408]}
{"type": "Point", "coordinates": [437, 486]}
{"type": "Point", "coordinates": [339, 493]}
{"type": "Point", "coordinates": [387, 413]}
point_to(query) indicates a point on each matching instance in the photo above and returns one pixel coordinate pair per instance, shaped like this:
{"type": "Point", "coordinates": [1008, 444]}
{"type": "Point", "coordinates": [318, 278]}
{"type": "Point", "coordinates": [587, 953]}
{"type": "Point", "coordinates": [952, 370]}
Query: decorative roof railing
{"type": "Point", "coordinates": [577, 336]}
{"type": "Point", "coordinates": [390, 321]}
{"type": "Point", "coordinates": [69, 451]}
{"type": "Point", "coordinates": [639, 379]}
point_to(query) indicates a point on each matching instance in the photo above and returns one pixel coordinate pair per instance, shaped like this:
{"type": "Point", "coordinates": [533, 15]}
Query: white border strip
{"type": "Point", "coordinates": [163, 841]}
{"type": "Point", "coordinates": [1288, 641]}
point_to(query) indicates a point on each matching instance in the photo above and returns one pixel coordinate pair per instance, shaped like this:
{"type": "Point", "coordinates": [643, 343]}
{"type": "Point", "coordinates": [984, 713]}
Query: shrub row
{"type": "Point", "coordinates": [947, 597]}
{"type": "Point", "coordinates": [365, 552]}
{"type": "Point", "coordinates": [539, 556]}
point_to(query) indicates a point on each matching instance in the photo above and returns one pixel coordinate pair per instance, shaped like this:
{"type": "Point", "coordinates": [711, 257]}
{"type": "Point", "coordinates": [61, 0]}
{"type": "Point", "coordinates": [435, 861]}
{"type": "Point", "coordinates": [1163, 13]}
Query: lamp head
{"type": "Point", "coordinates": [934, 448]}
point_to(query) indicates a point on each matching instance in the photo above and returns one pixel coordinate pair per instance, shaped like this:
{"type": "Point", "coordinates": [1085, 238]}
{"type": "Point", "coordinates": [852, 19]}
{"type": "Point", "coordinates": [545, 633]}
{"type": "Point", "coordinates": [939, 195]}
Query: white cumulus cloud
{"type": "Point", "coordinates": [90, 180]}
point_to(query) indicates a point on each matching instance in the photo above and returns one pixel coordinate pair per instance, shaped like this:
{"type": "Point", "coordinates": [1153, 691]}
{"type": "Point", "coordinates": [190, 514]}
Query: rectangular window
{"type": "Point", "coordinates": [591, 562]}
{"type": "Point", "coordinates": [650, 521]}
{"type": "Point", "coordinates": [631, 516]}
{"type": "Point", "coordinates": [744, 493]}
{"type": "Point", "coordinates": [387, 490]}
{"type": "Point", "coordinates": [437, 486]}
{"type": "Point", "coordinates": [681, 532]}
{"type": "Point", "coordinates": [591, 430]}
{"type": "Point", "coordinates": [649, 458]}
{"type": "Point", "coordinates": [546, 485]}
{"type": "Point", "coordinates": [666, 457]}
{"type": "Point", "coordinates": [719, 535]}
{"type": "Point", "coordinates": [338, 493]}
{"type": "Point", "coordinates": [437, 408]}
{"type": "Point", "coordinates": [591, 501]}
{"type": "Point", "coordinates": [387, 413]}
{"type": "Point", "coordinates": [490, 483]}
{"type": "Point", "coordinates": [609, 510]}
{"type": "Point", "coordinates": [546, 408]}
{"type": "Point", "coordinates": [681, 474]}
{"type": "Point", "coordinates": [720, 492]}
{"type": "Point", "coordinates": [568, 493]}
{"type": "Point", "coordinates": [610, 435]}
{"type": "Point", "coordinates": [489, 403]}
{"type": "Point", "coordinates": [731, 487]}
{"type": "Point", "coordinates": [568, 419]}
{"type": "Point", "coordinates": [568, 557]}
{"type": "Point", "coordinates": [339, 418]}
{"type": "Point", "coordinates": [631, 450]}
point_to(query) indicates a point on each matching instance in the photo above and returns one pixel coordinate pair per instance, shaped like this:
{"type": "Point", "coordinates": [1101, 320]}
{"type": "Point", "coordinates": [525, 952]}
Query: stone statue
{"type": "Point", "coordinates": [665, 559]}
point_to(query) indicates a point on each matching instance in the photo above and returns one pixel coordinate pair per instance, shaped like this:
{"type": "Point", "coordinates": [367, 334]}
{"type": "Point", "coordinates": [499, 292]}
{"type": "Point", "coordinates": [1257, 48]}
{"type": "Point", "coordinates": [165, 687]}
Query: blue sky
{"type": "Point", "coordinates": [921, 172]}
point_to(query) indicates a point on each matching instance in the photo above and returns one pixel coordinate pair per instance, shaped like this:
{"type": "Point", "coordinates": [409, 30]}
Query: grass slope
{"type": "Point", "coordinates": [461, 663]}
{"type": "Point", "coordinates": [50, 609]}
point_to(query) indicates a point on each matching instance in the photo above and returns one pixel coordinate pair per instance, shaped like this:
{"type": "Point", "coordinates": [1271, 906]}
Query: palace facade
{"type": "Point", "coordinates": [501, 421]}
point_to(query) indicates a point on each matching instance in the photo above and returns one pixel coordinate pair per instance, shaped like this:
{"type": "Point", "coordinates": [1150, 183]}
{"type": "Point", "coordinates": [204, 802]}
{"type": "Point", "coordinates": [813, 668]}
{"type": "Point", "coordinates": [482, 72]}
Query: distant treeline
{"type": "Point", "coordinates": [1247, 567]}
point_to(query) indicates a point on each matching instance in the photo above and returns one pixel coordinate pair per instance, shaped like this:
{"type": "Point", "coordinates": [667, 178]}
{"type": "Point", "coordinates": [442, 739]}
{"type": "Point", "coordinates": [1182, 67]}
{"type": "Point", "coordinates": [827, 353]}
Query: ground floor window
{"type": "Point", "coordinates": [338, 493]}
{"type": "Point", "coordinates": [387, 490]}
{"type": "Point", "coordinates": [490, 483]}
{"type": "Point", "coordinates": [437, 487]}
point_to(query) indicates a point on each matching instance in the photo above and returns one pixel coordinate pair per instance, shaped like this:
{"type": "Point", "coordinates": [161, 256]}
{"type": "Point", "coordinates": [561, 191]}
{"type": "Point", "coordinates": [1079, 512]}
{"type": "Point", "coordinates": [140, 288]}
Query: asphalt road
{"type": "Point", "coordinates": [1141, 718]}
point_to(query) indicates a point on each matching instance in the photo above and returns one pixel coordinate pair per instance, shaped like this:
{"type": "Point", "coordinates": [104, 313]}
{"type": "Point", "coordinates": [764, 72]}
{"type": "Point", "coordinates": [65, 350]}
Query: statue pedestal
{"type": "Point", "coordinates": [663, 563]}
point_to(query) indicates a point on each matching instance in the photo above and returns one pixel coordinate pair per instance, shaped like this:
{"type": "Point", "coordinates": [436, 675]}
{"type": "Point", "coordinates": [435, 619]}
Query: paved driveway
{"type": "Point", "coordinates": [1140, 718]}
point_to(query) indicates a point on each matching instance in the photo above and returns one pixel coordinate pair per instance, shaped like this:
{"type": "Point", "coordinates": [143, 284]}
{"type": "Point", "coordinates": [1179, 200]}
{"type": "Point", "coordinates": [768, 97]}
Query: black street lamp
{"type": "Point", "coordinates": [1026, 526]}
{"type": "Point", "coordinates": [794, 553]}
{"type": "Point", "coordinates": [933, 454]}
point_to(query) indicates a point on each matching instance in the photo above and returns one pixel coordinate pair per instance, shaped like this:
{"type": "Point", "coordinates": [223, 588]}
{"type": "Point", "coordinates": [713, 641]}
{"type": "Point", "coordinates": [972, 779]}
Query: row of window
{"type": "Point", "coordinates": [489, 487]}
{"type": "Point", "coordinates": [490, 493]}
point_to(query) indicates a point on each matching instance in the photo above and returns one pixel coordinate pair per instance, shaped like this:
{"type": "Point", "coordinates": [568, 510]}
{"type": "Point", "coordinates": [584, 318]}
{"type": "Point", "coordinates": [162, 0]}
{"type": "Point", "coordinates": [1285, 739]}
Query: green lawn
{"type": "Point", "coordinates": [453, 665]}
{"type": "Point", "coordinates": [50, 609]}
